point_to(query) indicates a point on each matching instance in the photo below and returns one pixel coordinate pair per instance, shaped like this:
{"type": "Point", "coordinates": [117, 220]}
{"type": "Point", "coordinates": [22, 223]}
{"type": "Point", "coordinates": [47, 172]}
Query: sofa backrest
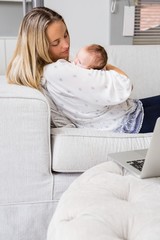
{"type": "Point", "coordinates": [7, 47]}
{"type": "Point", "coordinates": [140, 62]}
{"type": "Point", "coordinates": [142, 65]}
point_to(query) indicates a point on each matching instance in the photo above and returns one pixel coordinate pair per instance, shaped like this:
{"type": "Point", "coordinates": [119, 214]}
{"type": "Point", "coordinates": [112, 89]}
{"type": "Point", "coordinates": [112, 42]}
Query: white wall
{"type": "Point", "coordinates": [87, 20]}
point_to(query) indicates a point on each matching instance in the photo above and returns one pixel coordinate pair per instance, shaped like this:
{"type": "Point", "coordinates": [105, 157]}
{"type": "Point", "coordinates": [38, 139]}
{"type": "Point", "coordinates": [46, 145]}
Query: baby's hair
{"type": "Point", "coordinates": [99, 54]}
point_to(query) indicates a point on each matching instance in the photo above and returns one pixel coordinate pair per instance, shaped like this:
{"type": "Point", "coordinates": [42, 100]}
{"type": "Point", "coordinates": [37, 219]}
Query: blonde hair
{"type": "Point", "coordinates": [31, 53]}
{"type": "Point", "coordinates": [99, 54]}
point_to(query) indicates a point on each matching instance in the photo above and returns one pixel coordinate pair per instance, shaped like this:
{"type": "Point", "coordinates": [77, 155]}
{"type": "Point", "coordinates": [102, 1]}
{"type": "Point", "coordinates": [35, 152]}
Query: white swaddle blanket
{"type": "Point", "coordinates": [90, 98]}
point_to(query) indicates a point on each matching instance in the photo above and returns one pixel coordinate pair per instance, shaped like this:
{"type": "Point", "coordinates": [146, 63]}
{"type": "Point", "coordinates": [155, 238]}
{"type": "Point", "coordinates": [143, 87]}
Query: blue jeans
{"type": "Point", "coordinates": [151, 107]}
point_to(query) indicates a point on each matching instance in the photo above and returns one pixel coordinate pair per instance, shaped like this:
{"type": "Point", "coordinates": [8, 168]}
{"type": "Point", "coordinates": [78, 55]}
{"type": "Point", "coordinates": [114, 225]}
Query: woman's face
{"type": "Point", "coordinates": [59, 41]}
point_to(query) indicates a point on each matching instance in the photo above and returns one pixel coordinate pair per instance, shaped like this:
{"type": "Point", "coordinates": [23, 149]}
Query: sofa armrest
{"type": "Point", "coordinates": [76, 150]}
{"type": "Point", "coordinates": [25, 172]}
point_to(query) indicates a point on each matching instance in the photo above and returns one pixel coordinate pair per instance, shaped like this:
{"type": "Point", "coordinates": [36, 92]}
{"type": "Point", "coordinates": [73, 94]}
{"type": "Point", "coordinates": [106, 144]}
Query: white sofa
{"type": "Point", "coordinates": [39, 163]}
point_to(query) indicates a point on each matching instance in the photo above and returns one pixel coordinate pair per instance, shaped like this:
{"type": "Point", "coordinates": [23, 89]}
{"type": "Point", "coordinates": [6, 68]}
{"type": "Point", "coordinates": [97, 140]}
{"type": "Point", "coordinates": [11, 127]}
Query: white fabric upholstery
{"type": "Point", "coordinates": [29, 186]}
{"type": "Point", "coordinates": [76, 150]}
{"type": "Point", "coordinates": [25, 220]}
{"type": "Point", "coordinates": [105, 203]}
{"type": "Point", "coordinates": [26, 182]}
{"type": "Point", "coordinates": [24, 125]}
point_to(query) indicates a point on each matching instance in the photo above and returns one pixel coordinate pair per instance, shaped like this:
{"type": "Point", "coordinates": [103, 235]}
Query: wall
{"type": "Point", "coordinates": [8, 22]}
{"type": "Point", "coordinates": [87, 21]}
{"type": "Point", "coordinates": [116, 24]}
{"type": "Point", "coordinates": [11, 14]}
{"type": "Point", "coordinates": [92, 21]}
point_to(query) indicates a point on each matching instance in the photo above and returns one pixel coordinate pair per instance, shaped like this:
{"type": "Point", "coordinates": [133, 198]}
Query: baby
{"type": "Point", "coordinates": [92, 57]}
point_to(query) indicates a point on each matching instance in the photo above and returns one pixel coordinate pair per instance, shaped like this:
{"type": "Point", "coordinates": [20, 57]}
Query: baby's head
{"type": "Point", "coordinates": [93, 56]}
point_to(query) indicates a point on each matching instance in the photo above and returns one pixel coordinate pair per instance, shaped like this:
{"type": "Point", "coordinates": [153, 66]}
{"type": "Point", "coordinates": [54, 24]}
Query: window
{"type": "Point", "coordinates": [147, 22]}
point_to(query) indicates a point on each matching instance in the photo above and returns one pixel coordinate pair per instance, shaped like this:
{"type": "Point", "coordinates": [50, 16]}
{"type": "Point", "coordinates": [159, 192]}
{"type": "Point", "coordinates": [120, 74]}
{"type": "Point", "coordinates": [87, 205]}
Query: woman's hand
{"type": "Point", "coordinates": [111, 67]}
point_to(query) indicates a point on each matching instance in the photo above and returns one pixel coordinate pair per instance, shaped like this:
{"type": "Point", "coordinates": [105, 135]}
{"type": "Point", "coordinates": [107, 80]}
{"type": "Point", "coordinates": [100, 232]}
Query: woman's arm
{"type": "Point", "coordinates": [68, 82]}
{"type": "Point", "coordinates": [111, 67]}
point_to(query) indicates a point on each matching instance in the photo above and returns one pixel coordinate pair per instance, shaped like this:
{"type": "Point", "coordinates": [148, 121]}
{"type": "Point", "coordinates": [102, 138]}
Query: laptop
{"type": "Point", "coordinates": [143, 163]}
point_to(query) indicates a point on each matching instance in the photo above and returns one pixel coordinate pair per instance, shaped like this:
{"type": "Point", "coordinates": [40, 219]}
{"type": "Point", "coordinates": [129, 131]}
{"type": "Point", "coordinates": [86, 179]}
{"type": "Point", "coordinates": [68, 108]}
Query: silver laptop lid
{"type": "Point", "coordinates": [151, 167]}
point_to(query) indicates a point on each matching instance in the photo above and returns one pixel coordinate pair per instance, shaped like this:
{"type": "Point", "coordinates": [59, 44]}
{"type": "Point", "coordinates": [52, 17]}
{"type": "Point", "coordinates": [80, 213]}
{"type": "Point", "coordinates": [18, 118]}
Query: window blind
{"type": "Point", "coordinates": [147, 23]}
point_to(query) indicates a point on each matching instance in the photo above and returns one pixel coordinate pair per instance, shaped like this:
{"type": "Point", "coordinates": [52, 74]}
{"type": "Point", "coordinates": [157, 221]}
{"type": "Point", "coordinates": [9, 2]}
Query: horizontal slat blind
{"type": "Point", "coordinates": [147, 23]}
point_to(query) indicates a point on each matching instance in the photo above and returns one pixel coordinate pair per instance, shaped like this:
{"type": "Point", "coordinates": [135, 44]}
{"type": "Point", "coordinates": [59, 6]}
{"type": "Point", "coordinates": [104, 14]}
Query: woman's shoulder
{"type": "Point", "coordinates": [54, 66]}
{"type": "Point", "coordinates": [59, 62]}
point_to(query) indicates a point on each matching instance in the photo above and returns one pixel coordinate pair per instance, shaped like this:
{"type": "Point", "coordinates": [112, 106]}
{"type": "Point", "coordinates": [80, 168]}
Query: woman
{"type": "Point", "coordinates": [89, 98]}
{"type": "Point", "coordinates": [43, 38]}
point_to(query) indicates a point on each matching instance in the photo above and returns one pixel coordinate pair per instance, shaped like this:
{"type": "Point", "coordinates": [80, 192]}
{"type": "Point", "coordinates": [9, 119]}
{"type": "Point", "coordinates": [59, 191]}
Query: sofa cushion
{"type": "Point", "coordinates": [76, 150]}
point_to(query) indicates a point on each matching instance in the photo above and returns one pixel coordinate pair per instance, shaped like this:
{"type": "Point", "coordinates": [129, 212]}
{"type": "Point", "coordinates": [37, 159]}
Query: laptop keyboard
{"type": "Point", "coordinates": [138, 164]}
